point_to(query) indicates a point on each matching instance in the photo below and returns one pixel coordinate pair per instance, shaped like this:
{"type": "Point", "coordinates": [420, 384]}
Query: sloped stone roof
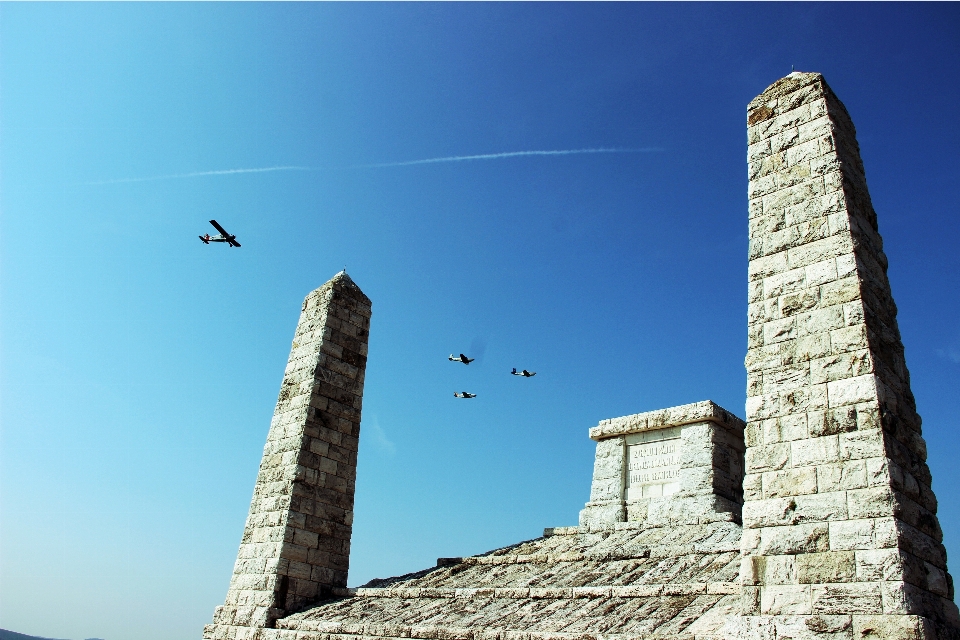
{"type": "Point", "coordinates": [625, 582]}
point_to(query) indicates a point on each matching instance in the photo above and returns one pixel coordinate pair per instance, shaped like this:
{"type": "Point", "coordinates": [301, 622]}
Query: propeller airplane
{"type": "Point", "coordinates": [223, 237]}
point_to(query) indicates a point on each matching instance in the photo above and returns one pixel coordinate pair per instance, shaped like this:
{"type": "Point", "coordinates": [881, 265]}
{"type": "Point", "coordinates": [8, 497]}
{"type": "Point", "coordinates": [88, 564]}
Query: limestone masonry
{"type": "Point", "coordinates": [295, 548]}
{"type": "Point", "coordinates": [814, 519]}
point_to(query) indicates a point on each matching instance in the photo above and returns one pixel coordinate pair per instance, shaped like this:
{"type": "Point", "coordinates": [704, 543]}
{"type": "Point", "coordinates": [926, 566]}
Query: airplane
{"type": "Point", "coordinates": [223, 237]}
{"type": "Point", "coordinates": [464, 394]}
{"type": "Point", "coordinates": [464, 359]}
{"type": "Point", "coordinates": [524, 373]}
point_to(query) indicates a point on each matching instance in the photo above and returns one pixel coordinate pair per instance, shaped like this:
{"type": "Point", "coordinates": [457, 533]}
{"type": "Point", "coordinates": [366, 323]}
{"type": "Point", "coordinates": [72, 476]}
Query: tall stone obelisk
{"type": "Point", "coordinates": [296, 541]}
{"type": "Point", "coordinates": [841, 537]}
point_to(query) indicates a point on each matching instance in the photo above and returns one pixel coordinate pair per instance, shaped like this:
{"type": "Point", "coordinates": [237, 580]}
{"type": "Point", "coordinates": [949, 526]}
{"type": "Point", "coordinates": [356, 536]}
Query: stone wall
{"type": "Point", "coordinates": [840, 526]}
{"type": "Point", "coordinates": [680, 465]}
{"type": "Point", "coordinates": [296, 542]}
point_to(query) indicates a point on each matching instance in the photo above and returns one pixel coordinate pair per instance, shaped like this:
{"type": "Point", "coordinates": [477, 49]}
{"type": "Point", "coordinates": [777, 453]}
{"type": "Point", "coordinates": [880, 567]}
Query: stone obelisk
{"type": "Point", "coordinates": [296, 542]}
{"type": "Point", "coordinates": [841, 537]}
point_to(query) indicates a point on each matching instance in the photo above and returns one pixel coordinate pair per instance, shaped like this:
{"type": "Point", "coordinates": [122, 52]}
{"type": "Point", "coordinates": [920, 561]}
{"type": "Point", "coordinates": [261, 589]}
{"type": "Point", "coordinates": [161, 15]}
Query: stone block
{"type": "Point", "coordinates": [790, 482]}
{"type": "Point", "coordinates": [855, 598]}
{"type": "Point", "coordinates": [820, 321]}
{"type": "Point", "coordinates": [794, 426]}
{"type": "Point", "coordinates": [872, 502]}
{"type": "Point", "coordinates": [753, 486]}
{"type": "Point", "coordinates": [840, 291]}
{"type": "Point", "coordinates": [778, 284]}
{"type": "Point", "coordinates": [750, 601]}
{"type": "Point", "coordinates": [779, 381]}
{"type": "Point", "coordinates": [606, 489]}
{"type": "Point", "coordinates": [608, 462]}
{"type": "Point", "coordinates": [840, 476]}
{"type": "Point", "coordinates": [937, 581]}
{"type": "Point", "coordinates": [810, 347]}
{"type": "Point", "coordinates": [785, 600]}
{"type": "Point", "coordinates": [827, 567]}
{"type": "Point", "coordinates": [779, 330]}
{"type": "Point", "coordinates": [819, 250]}
{"type": "Point", "coordinates": [761, 268]}
{"type": "Point", "coordinates": [852, 534]}
{"type": "Point", "coordinates": [776, 569]}
{"type": "Point", "coordinates": [602, 514]}
{"type": "Point", "coordinates": [848, 339]}
{"type": "Point", "coordinates": [840, 366]}
{"type": "Point", "coordinates": [876, 565]}
{"type": "Point", "coordinates": [814, 451]}
{"type": "Point", "coordinates": [820, 273]}
{"type": "Point", "coordinates": [915, 542]}
{"type": "Point", "coordinates": [863, 444]}
{"type": "Point", "coordinates": [901, 598]}
{"type": "Point", "coordinates": [852, 390]}
{"type": "Point", "coordinates": [889, 627]}
{"type": "Point", "coordinates": [767, 457]}
{"type": "Point", "coordinates": [794, 539]}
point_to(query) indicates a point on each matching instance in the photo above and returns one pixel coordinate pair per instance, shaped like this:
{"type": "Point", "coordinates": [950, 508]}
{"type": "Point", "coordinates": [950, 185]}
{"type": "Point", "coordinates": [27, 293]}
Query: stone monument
{"type": "Point", "coordinates": [657, 554]}
{"type": "Point", "coordinates": [296, 542]}
{"type": "Point", "coordinates": [677, 465]}
{"type": "Point", "coordinates": [813, 520]}
{"type": "Point", "coordinates": [840, 528]}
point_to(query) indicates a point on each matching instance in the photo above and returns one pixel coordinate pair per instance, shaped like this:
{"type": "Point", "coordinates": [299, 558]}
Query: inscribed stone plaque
{"type": "Point", "coordinates": [653, 463]}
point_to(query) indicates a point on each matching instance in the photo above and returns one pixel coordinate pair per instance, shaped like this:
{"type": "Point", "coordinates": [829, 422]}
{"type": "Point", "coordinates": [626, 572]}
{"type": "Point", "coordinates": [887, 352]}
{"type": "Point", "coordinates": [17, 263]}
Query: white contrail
{"type": "Point", "coordinates": [507, 154]}
{"type": "Point", "coordinates": [197, 174]}
{"type": "Point", "coordinates": [404, 163]}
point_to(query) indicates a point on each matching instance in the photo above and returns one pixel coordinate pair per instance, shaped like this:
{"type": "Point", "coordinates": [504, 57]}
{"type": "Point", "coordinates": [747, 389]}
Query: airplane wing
{"type": "Point", "coordinates": [233, 243]}
{"type": "Point", "coordinates": [216, 225]}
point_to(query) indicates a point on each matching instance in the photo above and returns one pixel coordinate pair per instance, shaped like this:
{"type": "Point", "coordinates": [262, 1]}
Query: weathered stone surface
{"type": "Point", "coordinates": [705, 411]}
{"type": "Point", "coordinates": [832, 431]}
{"type": "Point", "coordinates": [296, 542]}
{"type": "Point", "coordinates": [673, 466]}
{"type": "Point", "coordinates": [840, 538]}
{"type": "Point", "coordinates": [639, 581]}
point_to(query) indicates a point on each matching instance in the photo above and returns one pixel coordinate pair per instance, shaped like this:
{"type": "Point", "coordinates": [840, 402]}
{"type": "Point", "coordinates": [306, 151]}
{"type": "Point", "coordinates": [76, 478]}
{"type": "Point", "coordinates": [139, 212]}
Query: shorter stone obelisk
{"type": "Point", "coordinates": [296, 542]}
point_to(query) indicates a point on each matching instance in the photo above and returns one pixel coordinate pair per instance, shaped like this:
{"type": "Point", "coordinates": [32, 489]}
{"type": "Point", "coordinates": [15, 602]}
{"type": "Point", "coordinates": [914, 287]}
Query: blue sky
{"type": "Point", "coordinates": [139, 368]}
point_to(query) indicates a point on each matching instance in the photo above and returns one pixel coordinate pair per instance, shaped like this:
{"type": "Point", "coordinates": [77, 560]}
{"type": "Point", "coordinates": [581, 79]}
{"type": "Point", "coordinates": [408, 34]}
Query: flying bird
{"type": "Point", "coordinates": [524, 373]}
{"type": "Point", "coordinates": [223, 237]}
{"type": "Point", "coordinates": [464, 359]}
{"type": "Point", "coordinates": [464, 394]}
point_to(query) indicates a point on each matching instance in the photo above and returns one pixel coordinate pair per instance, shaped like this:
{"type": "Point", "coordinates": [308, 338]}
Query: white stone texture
{"type": "Point", "coordinates": [296, 542]}
{"type": "Point", "coordinates": [632, 582]}
{"type": "Point", "coordinates": [835, 460]}
{"type": "Point", "coordinates": [690, 458]}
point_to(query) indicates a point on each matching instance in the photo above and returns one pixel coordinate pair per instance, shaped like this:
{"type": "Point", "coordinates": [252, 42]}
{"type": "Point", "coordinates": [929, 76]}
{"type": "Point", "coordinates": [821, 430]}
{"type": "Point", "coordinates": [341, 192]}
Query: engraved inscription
{"type": "Point", "coordinates": [653, 463]}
